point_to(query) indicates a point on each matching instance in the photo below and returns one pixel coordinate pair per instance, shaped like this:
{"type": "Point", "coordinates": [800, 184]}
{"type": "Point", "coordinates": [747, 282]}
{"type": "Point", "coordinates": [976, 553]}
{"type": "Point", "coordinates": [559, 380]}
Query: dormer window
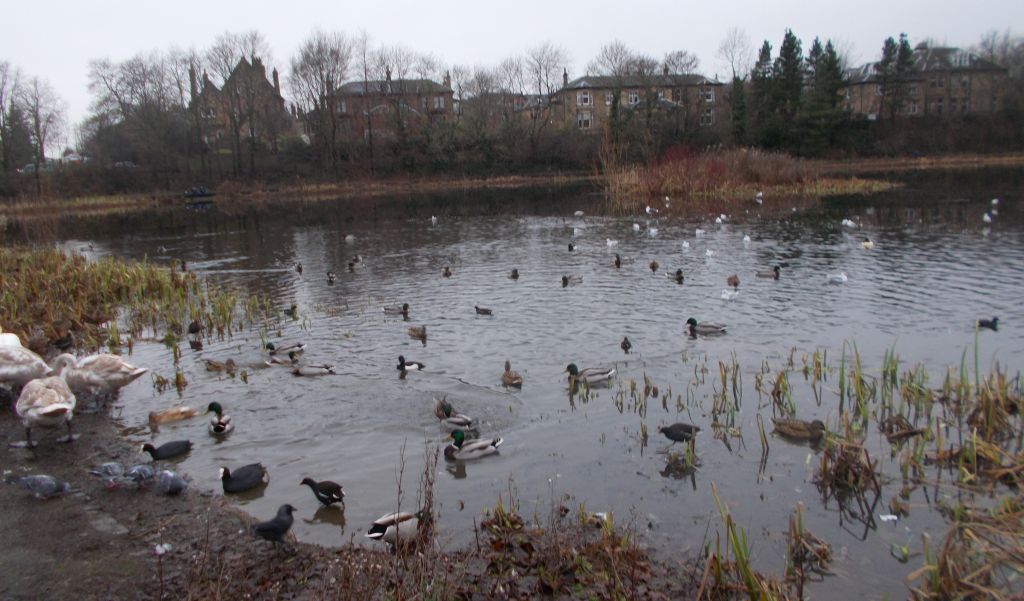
{"type": "Point", "coordinates": [583, 98]}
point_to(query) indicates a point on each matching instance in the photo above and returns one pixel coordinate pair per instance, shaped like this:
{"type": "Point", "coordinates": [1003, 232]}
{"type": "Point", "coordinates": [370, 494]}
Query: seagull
{"type": "Point", "coordinates": [653, 231]}
{"type": "Point", "coordinates": [759, 197]}
{"type": "Point", "coordinates": [611, 242]}
{"type": "Point", "coordinates": [666, 202]}
{"type": "Point", "coordinates": [686, 245]}
{"type": "Point", "coordinates": [848, 223]}
{"type": "Point", "coordinates": [578, 213]}
{"type": "Point", "coordinates": [636, 227]}
{"type": "Point", "coordinates": [718, 220]}
{"type": "Point", "coordinates": [651, 210]}
{"type": "Point", "coordinates": [698, 232]}
{"type": "Point", "coordinates": [433, 220]}
{"type": "Point", "coordinates": [709, 252]}
{"type": "Point", "coordinates": [350, 238]}
{"type": "Point", "coordinates": [986, 218]}
{"type": "Point", "coordinates": [729, 295]}
{"type": "Point", "coordinates": [837, 278]}
{"type": "Point", "coordinates": [995, 201]}
{"type": "Point", "coordinates": [746, 239]}
{"type": "Point", "coordinates": [723, 217]}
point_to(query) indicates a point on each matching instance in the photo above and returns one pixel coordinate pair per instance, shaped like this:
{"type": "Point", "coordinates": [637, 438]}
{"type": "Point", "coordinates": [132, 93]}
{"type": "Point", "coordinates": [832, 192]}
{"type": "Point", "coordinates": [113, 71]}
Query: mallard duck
{"type": "Point", "coordinates": [331, 277]}
{"type": "Point", "coordinates": [228, 366]}
{"type": "Point", "coordinates": [48, 403]}
{"type": "Point", "coordinates": [292, 311]}
{"type": "Point", "coordinates": [168, 450]}
{"type": "Point", "coordinates": [589, 375]}
{"type": "Point", "coordinates": [402, 309]}
{"type": "Point", "coordinates": [991, 324]}
{"type": "Point", "coordinates": [325, 491]}
{"type": "Point", "coordinates": [298, 268]}
{"type": "Point", "coordinates": [291, 359]}
{"type": "Point", "coordinates": [450, 419]}
{"type": "Point", "coordinates": [483, 310]}
{"type": "Point", "coordinates": [244, 478]}
{"type": "Point", "coordinates": [654, 266]}
{"type": "Point", "coordinates": [19, 366]}
{"type": "Point", "coordinates": [397, 529]}
{"type": "Point", "coordinates": [772, 273]}
{"type": "Point", "coordinates": [313, 370]}
{"type": "Point", "coordinates": [285, 349]}
{"type": "Point", "coordinates": [679, 432]}
{"type": "Point", "coordinates": [404, 365]}
{"type": "Point", "coordinates": [733, 280]}
{"type": "Point", "coordinates": [461, 449]}
{"type": "Point", "coordinates": [220, 423]}
{"type": "Point", "coordinates": [277, 527]}
{"type": "Point", "coordinates": [514, 275]}
{"type": "Point", "coordinates": [418, 332]}
{"type": "Point", "coordinates": [447, 272]}
{"type": "Point", "coordinates": [867, 244]}
{"type": "Point", "coordinates": [174, 414]}
{"type": "Point", "coordinates": [706, 329]}
{"type": "Point", "coordinates": [195, 344]}
{"type": "Point", "coordinates": [626, 344]}
{"type": "Point", "coordinates": [837, 278]}
{"type": "Point", "coordinates": [100, 375]}
{"type": "Point", "coordinates": [572, 247]}
{"type": "Point", "coordinates": [509, 378]}
{"type": "Point", "coordinates": [677, 276]}
{"type": "Point", "coordinates": [798, 429]}
{"type": "Point", "coordinates": [571, 280]}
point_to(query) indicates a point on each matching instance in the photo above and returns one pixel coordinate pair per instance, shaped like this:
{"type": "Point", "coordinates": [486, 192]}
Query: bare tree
{"type": "Point", "coordinates": [681, 62]}
{"type": "Point", "coordinates": [614, 59]}
{"type": "Point", "coordinates": [366, 59]}
{"type": "Point", "coordinates": [544, 64]}
{"type": "Point", "coordinates": [737, 52]}
{"type": "Point", "coordinates": [45, 112]}
{"type": "Point", "coordinates": [323, 62]}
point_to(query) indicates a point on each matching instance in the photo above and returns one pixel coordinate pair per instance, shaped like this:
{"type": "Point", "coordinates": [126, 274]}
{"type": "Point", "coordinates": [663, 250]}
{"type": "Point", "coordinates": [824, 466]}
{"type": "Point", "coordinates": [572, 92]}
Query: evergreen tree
{"type": "Point", "coordinates": [886, 73]}
{"type": "Point", "coordinates": [761, 105]}
{"type": "Point", "coordinates": [739, 111]}
{"type": "Point", "coordinates": [788, 73]}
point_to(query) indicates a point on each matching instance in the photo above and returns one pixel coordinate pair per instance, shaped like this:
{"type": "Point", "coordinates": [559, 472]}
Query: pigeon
{"type": "Point", "coordinates": [42, 486]}
{"type": "Point", "coordinates": [275, 529]}
{"type": "Point", "coordinates": [170, 483]}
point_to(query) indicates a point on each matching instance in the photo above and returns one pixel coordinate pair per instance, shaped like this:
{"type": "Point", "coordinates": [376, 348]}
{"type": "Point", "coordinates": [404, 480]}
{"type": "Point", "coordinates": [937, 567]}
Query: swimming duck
{"type": "Point", "coordinates": [331, 277]}
{"type": "Point", "coordinates": [404, 365]}
{"type": "Point", "coordinates": [228, 366]}
{"type": "Point", "coordinates": [167, 416]}
{"type": "Point", "coordinates": [589, 375]}
{"type": "Point", "coordinates": [418, 332]}
{"type": "Point", "coordinates": [450, 419]}
{"type": "Point", "coordinates": [509, 378]}
{"type": "Point", "coordinates": [298, 268]}
{"type": "Point", "coordinates": [325, 491]}
{"type": "Point", "coordinates": [679, 432]}
{"type": "Point", "coordinates": [867, 244]}
{"type": "Point", "coordinates": [285, 349]}
{"type": "Point", "coordinates": [42, 486]}
{"type": "Point", "coordinates": [313, 370]}
{"type": "Point", "coordinates": [515, 274]}
{"type": "Point", "coordinates": [677, 276]}
{"type": "Point", "coordinates": [571, 280]}
{"type": "Point", "coordinates": [291, 359]}
{"type": "Point", "coordinates": [706, 329]}
{"type": "Point", "coordinates": [572, 247]}
{"type": "Point", "coordinates": [991, 324]}
{"type": "Point", "coordinates": [99, 375]}
{"type": "Point", "coordinates": [402, 309]}
{"type": "Point", "coordinates": [618, 261]}
{"type": "Point", "coordinates": [397, 529]}
{"type": "Point", "coordinates": [654, 266]}
{"type": "Point", "coordinates": [18, 365]}
{"type": "Point", "coordinates": [483, 310]}
{"type": "Point", "coordinates": [733, 280]}
{"type": "Point", "coordinates": [718, 220]}
{"type": "Point", "coordinates": [244, 478]}
{"type": "Point", "coordinates": [168, 450]}
{"type": "Point", "coordinates": [837, 278]}
{"type": "Point", "coordinates": [220, 423]}
{"type": "Point", "coordinates": [447, 272]}
{"type": "Point", "coordinates": [48, 403]}
{"type": "Point", "coordinates": [798, 429]}
{"type": "Point", "coordinates": [461, 449]}
{"type": "Point", "coordinates": [292, 311]}
{"type": "Point", "coordinates": [626, 344]}
{"type": "Point", "coordinates": [772, 273]}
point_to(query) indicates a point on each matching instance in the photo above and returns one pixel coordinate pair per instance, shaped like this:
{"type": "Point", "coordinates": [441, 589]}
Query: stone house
{"type": "Point", "coordinates": [391, 107]}
{"type": "Point", "coordinates": [943, 83]}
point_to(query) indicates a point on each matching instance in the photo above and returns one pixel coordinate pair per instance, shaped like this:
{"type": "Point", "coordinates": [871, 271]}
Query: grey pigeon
{"type": "Point", "coordinates": [42, 486]}
{"type": "Point", "coordinates": [108, 470]}
{"type": "Point", "coordinates": [170, 483]}
{"type": "Point", "coordinates": [136, 476]}
{"type": "Point", "coordinates": [275, 529]}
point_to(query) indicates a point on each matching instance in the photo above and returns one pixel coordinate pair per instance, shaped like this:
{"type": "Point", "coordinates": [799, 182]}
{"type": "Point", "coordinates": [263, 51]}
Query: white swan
{"type": "Point", "coordinates": [18, 365]}
{"type": "Point", "coordinates": [8, 339]}
{"type": "Point", "coordinates": [46, 402]}
{"type": "Point", "coordinates": [99, 375]}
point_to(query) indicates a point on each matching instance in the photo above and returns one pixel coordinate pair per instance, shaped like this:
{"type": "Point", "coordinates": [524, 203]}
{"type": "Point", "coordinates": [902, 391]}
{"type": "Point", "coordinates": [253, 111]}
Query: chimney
{"type": "Point", "coordinates": [565, 78]}
{"type": "Point", "coordinates": [192, 84]}
{"type": "Point", "coordinates": [664, 70]}
{"type": "Point", "coordinates": [448, 79]}
{"type": "Point", "coordinates": [277, 82]}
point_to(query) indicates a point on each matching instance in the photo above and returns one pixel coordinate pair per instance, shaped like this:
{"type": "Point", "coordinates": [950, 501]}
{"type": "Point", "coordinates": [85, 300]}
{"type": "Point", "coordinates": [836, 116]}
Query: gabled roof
{"type": "Point", "coordinates": [927, 60]}
{"type": "Point", "coordinates": [639, 81]}
{"type": "Point", "coordinates": [397, 86]}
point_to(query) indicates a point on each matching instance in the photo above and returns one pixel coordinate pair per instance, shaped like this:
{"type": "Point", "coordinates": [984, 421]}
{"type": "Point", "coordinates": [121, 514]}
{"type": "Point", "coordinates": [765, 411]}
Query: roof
{"type": "Point", "coordinates": [406, 86]}
{"type": "Point", "coordinates": [639, 81]}
{"type": "Point", "coordinates": [928, 60]}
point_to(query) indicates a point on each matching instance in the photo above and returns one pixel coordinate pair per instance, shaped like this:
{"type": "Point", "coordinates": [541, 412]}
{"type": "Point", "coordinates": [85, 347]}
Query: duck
{"type": "Point", "coordinates": [99, 375]}
{"type": "Point", "coordinates": [798, 429]}
{"type": "Point", "coordinates": [733, 280]}
{"type": "Point", "coordinates": [331, 277]}
{"type": "Point", "coordinates": [418, 332]}
{"type": "Point", "coordinates": [461, 449]}
{"type": "Point", "coordinates": [772, 273]}
{"type": "Point", "coordinates": [626, 344]}
{"type": "Point", "coordinates": [228, 366]}
{"type": "Point", "coordinates": [707, 329]}
{"type": "Point", "coordinates": [677, 276]}
{"type": "Point", "coordinates": [404, 365]}
{"type": "Point", "coordinates": [990, 324]}
{"type": "Point", "coordinates": [220, 423]}
{"type": "Point", "coordinates": [244, 478]}
{"type": "Point", "coordinates": [729, 295]}
{"type": "Point", "coordinates": [313, 370]}
{"type": "Point", "coordinates": [291, 359]}
{"type": "Point", "coordinates": [285, 349]}
{"type": "Point", "coordinates": [987, 218]}
{"type": "Point", "coordinates": [19, 366]}
{"type": "Point", "coordinates": [617, 262]}
{"type": "Point", "coordinates": [325, 491]}
{"type": "Point", "coordinates": [275, 529]}
{"type": "Point", "coordinates": [651, 210]}
{"type": "Point", "coordinates": [298, 268]}
{"type": "Point", "coordinates": [654, 266]}
{"type": "Point", "coordinates": [356, 259]}
{"type": "Point", "coordinates": [168, 450]}
{"type": "Point", "coordinates": [402, 309]}
{"type": "Point", "coordinates": [571, 280]}
{"type": "Point", "coordinates": [837, 278]}
{"type": "Point", "coordinates": [679, 432]}
{"type": "Point", "coordinates": [447, 272]}
{"type": "Point", "coordinates": [195, 344]}
{"type": "Point", "coordinates": [867, 244]}
{"type": "Point", "coordinates": [167, 416]}
{"type": "Point", "coordinates": [292, 311]}
{"type": "Point", "coordinates": [514, 275]}
{"type": "Point", "coordinates": [397, 529]}
{"type": "Point", "coordinates": [48, 403]}
{"type": "Point", "coordinates": [483, 310]}
{"type": "Point", "coordinates": [572, 247]}
{"type": "Point", "coordinates": [509, 378]}
{"type": "Point", "coordinates": [450, 419]}
{"type": "Point", "coordinates": [589, 375]}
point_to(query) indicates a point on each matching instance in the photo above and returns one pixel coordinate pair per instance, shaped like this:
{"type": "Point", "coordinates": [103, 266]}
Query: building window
{"type": "Point", "coordinates": [965, 106]}
{"type": "Point", "coordinates": [609, 97]}
{"type": "Point", "coordinates": [707, 116]}
{"type": "Point", "coordinates": [438, 103]}
{"type": "Point", "coordinates": [938, 106]}
{"type": "Point", "coordinates": [342, 108]}
{"type": "Point", "coordinates": [661, 94]}
{"type": "Point", "coordinates": [584, 119]}
{"type": "Point", "coordinates": [708, 95]}
{"type": "Point", "coordinates": [878, 90]}
{"type": "Point", "coordinates": [965, 83]}
{"type": "Point", "coordinates": [912, 90]}
{"type": "Point", "coordinates": [583, 98]}
{"type": "Point", "coordinates": [912, 109]}
{"type": "Point", "coordinates": [634, 97]}
{"type": "Point", "coordinates": [677, 95]}
{"type": "Point", "coordinates": [938, 82]}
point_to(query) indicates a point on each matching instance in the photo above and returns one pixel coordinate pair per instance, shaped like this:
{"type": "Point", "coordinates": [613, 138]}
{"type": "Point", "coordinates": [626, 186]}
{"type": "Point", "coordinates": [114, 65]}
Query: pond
{"type": "Point", "coordinates": [934, 270]}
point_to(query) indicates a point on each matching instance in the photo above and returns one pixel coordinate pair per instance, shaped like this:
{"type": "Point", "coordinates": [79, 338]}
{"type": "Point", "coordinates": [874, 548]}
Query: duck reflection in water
{"type": "Point", "coordinates": [457, 469]}
{"type": "Point", "coordinates": [334, 514]}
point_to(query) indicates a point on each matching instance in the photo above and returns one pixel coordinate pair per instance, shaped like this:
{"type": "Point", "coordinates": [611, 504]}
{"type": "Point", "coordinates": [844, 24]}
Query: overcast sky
{"type": "Point", "coordinates": [56, 39]}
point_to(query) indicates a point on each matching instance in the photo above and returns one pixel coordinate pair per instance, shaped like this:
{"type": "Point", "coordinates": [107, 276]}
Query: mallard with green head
{"type": "Point", "coordinates": [589, 375]}
{"type": "Point", "coordinates": [798, 429]}
{"type": "Point", "coordinates": [461, 449]}
{"type": "Point", "coordinates": [450, 419]}
{"type": "Point", "coordinates": [398, 529]}
{"type": "Point", "coordinates": [772, 273]}
{"type": "Point", "coordinates": [402, 309]}
{"type": "Point", "coordinates": [509, 378]}
{"type": "Point", "coordinates": [220, 423]}
{"type": "Point", "coordinates": [313, 370]}
{"type": "Point", "coordinates": [285, 349]}
{"type": "Point", "coordinates": [291, 359]}
{"type": "Point", "coordinates": [704, 329]}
